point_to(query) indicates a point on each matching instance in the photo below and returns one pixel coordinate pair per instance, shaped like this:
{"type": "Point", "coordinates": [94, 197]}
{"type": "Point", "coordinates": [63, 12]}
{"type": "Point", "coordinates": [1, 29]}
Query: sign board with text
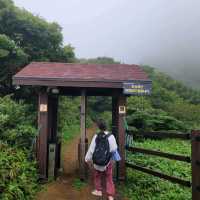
{"type": "Point", "coordinates": [137, 88]}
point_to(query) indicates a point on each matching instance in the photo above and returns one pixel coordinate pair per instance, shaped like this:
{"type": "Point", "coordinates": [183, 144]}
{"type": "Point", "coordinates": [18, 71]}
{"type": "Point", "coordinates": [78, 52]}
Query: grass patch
{"type": "Point", "coordinates": [70, 132]}
{"type": "Point", "coordinates": [146, 187]}
{"type": "Point", "coordinates": [78, 184]}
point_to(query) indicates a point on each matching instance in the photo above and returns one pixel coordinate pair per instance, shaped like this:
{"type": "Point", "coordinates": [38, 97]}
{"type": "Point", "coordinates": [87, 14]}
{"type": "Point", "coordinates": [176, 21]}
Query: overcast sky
{"type": "Point", "coordinates": [161, 33]}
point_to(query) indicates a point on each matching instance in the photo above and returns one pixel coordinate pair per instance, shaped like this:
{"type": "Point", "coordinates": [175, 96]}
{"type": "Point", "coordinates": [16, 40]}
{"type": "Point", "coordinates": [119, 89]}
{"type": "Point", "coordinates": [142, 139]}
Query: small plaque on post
{"type": "Point", "coordinates": [43, 107]}
{"type": "Point", "coordinates": [122, 109]}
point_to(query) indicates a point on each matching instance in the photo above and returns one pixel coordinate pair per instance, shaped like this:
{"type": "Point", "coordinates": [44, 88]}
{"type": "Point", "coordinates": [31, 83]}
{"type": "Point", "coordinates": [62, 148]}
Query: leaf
{"type": "Point", "coordinates": [3, 53]}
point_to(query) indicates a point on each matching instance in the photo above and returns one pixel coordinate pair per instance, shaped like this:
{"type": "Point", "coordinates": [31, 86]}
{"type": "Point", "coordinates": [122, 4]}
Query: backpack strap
{"type": "Point", "coordinates": [108, 135]}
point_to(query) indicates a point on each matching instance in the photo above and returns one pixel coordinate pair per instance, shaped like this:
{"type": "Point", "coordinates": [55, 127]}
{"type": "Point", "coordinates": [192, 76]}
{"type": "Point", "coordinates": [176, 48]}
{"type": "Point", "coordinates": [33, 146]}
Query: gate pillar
{"type": "Point", "coordinates": [195, 165]}
{"type": "Point", "coordinates": [82, 151]}
{"type": "Point", "coordinates": [42, 139]}
{"type": "Point", "coordinates": [118, 114]}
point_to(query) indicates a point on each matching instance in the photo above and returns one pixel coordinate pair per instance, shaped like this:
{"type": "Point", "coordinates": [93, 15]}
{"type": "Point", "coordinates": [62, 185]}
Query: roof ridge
{"type": "Point", "coordinates": [97, 64]}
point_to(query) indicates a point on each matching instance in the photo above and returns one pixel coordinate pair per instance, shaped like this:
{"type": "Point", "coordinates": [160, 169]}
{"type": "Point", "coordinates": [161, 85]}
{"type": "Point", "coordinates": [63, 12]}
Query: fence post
{"type": "Point", "coordinates": [195, 136]}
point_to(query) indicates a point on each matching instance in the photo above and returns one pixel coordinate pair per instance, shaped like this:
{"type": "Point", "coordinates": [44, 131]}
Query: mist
{"type": "Point", "coordinates": [163, 34]}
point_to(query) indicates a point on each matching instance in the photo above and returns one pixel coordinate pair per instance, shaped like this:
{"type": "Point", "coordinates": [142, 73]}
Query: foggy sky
{"type": "Point", "coordinates": [160, 33]}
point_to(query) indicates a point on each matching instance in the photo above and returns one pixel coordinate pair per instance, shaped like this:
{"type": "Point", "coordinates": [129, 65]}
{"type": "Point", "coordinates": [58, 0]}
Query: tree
{"type": "Point", "coordinates": [26, 38]}
{"type": "Point", "coordinates": [11, 58]}
{"type": "Point", "coordinates": [99, 60]}
{"type": "Point", "coordinates": [38, 38]}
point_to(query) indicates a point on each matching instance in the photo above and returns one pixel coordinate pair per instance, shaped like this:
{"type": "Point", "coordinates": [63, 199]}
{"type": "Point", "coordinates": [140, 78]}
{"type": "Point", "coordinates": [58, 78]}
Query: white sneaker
{"type": "Point", "coordinates": [97, 193]}
{"type": "Point", "coordinates": [110, 198]}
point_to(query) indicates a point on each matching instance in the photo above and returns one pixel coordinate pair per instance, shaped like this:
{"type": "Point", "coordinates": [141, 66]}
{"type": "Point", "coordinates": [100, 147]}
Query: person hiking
{"type": "Point", "coordinates": [100, 153]}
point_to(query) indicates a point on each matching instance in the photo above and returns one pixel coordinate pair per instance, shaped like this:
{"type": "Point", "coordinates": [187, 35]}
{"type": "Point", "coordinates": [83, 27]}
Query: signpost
{"type": "Point", "coordinates": [137, 88]}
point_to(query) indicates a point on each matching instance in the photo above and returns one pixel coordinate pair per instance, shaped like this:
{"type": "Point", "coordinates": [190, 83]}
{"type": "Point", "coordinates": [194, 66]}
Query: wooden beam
{"type": "Point", "coordinates": [67, 83]}
{"type": "Point", "coordinates": [160, 135]}
{"type": "Point", "coordinates": [161, 154]}
{"type": "Point", "coordinates": [53, 123]}
{"type": "Point", "coordinates": [115, 130]}
{"type": "Point", "coordinates": [53, 112]}
{"type": "Point", "coordinates": [42, 140]}
{"type": "Point", "coordinates": [83, 135]}
{"type": "Point", "coordinates": [115, 116]}
{"type": "Point", "coordinates": [76, 91]}
{"type": "Point", "coordinates": [121, 102]}
{"type": "Point", "coordinates": [160, 175]}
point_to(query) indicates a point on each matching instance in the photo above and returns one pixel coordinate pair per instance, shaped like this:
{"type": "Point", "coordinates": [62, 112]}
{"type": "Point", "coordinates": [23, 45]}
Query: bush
{"type": "Point", "coordinates": [16, 128]}
{"type": "Point", "coordinates": [69, 117]}
{"type": "Point", "coordinates": [153, 120]}
{"type": "Point", "coordinates": [18, 176]}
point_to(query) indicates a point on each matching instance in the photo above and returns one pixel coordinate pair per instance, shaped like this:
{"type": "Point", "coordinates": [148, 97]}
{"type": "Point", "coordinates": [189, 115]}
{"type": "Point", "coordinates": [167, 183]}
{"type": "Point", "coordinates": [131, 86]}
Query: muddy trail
{"type": "Point", "coordinates": [68, 186]}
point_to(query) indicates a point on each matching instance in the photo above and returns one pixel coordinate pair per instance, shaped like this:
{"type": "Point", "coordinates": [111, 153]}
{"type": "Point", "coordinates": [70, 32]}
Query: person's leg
{"type": "Point", "coordinates": [110, 187]}
{"type": "Point", "coordinates": [97, 180]}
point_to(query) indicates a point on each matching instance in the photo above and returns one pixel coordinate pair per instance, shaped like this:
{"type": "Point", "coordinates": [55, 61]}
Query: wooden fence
{"type": "Point", "coordinates": [194, 159]}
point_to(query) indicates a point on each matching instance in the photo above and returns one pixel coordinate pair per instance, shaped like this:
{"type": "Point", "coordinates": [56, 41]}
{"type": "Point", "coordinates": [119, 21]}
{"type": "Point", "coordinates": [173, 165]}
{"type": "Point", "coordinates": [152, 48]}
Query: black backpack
{"type": "Point", "coordinates": [102, 155]}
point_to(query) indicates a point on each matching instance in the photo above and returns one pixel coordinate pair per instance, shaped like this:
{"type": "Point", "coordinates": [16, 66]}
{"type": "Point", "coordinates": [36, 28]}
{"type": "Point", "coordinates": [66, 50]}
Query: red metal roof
{"type": "Point", "coordinates": [73, 72]}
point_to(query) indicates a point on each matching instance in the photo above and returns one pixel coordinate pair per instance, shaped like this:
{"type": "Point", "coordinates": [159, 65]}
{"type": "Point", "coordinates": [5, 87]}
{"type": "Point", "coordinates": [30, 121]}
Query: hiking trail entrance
{"type": "Point", "coordinates": [64, 187]}
{"type": "Point", "coordinates": [55, 79]}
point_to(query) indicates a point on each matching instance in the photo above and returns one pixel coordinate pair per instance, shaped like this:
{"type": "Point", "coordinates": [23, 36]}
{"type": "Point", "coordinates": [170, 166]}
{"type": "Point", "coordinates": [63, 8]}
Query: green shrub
{"type": "Point", "coordinates": [107, 116]}
{"type": "Point", "coordinates": [16, 128]}
{"type": "Point", "coordinates": [18, 176]}
{"type": "Point", "coordinates": [69, 117]}
{"type": "Point", "coordinates": [154, 119]}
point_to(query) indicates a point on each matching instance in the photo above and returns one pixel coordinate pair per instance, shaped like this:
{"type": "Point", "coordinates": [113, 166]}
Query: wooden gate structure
{"type": "Point", "coordinates": [54, 79]}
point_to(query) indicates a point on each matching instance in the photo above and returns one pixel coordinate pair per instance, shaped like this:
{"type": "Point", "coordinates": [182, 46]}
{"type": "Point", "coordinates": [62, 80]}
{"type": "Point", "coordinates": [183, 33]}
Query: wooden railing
{"type": "Point", "coordinates": [159, 153]}
{"type": "Point", "coordinates": [159, 135]}
{"type": "Point", "coordinates": [194, 159]}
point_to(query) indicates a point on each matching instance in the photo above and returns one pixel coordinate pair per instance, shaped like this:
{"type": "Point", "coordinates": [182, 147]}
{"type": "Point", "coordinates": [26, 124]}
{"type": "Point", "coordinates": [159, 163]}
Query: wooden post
{"type": "Point", "coordinates": [118, 114]}
{"type": "Point", "coordinates": [121, 136]}
{"type": "Point", "coordinates": [42, 140]}
{"type": "Point", "coordinates": [83, 136]}
{"type": "Point", "coordinates": [115, 130]}
{"type": "Point", "coordinates": [114, 116]}
{"type": "Point", "coordinates": [52, 133]}
{"type": "Point", "coordinates": [195, 165]}
{"type": "Point", "coordinates": [52, 114]}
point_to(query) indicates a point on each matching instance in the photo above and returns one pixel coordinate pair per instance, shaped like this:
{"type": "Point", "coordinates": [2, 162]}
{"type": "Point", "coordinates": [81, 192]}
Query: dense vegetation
{"type": "Point", "coordinates": [143, 186]}
{"type": "Point", "coordinates": [18, 174]}
{"type": "Point", "coordinates": [23, 38]}
{"type": "Point", "coordinates": [172, 106]}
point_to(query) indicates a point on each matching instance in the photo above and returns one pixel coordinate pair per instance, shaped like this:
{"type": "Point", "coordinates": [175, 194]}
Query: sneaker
{"type": "Point", "coordinates": [110, 198]}
{"type": "Point", "coordinates": [97, 193]}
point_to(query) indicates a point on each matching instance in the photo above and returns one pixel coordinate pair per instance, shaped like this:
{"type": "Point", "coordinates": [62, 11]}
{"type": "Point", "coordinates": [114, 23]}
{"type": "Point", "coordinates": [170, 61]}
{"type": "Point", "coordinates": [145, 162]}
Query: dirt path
{"type": "Point", "coordinates": [63, 188]}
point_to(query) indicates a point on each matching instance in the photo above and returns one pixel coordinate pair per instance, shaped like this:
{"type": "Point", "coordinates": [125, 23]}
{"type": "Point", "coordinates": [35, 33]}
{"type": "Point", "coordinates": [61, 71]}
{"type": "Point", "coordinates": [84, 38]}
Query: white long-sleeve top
{"type": "Point", "coordinates": [113, 148]}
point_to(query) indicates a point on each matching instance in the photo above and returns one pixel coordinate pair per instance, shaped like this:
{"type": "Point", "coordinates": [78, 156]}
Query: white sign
{"type": "Point", "coordinates": [122, 109]}
{"type": "Point", "coordinates": [43, 107]}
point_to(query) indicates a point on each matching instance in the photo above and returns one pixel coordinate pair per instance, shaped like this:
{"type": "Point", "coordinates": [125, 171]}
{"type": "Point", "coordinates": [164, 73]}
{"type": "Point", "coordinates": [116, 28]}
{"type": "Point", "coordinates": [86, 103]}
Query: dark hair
{"type": "Point", "coordinates": [101, 124]}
